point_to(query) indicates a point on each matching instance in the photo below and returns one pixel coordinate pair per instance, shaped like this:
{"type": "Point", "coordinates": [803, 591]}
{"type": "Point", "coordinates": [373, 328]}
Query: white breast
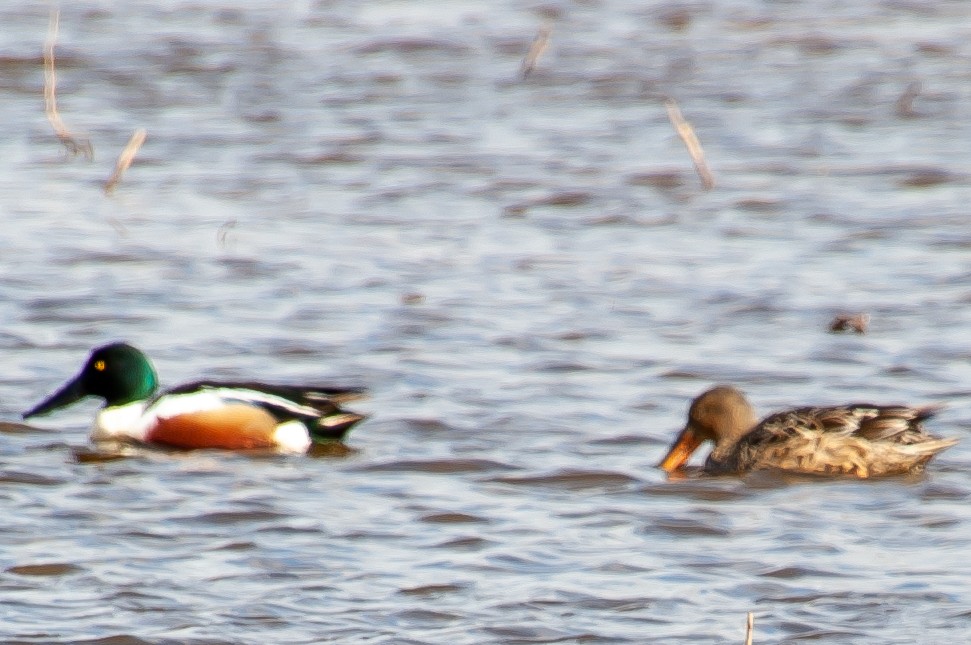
{"type": "Point", "coordinates": [120, 422]}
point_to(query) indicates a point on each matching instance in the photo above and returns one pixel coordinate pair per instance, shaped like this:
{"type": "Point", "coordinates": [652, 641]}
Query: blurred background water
{"type": "Point", "coordinates": [532, 282]}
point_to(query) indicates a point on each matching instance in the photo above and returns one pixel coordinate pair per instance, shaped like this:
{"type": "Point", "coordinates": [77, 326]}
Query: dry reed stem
{"type": "Point", "coordinates": [72, 144]}
{"type": "Point", "coordinates": [687, 134]}
{"type": "Point", "coordinates": [749, 628]}
{"type": "Point", "coordinates": [125, 158]}
{"type": "Point", "coordinates": [540, 44]}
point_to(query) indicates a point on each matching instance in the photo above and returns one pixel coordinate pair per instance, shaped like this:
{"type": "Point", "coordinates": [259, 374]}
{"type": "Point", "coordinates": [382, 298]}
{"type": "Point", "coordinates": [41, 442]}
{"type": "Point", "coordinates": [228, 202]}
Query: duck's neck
{"type": "Point", "coordinates": [723, 450]}
{"type": "Point", "coordinates": [724, 456]}
{"type": "Point", "coordinates": [730, 433]}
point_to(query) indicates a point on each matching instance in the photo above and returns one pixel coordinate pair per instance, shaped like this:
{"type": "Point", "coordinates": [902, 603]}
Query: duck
{"type": "Point", "coordinates": [202, 414]}
{"type": "Point", "coordinates": [860, 440]}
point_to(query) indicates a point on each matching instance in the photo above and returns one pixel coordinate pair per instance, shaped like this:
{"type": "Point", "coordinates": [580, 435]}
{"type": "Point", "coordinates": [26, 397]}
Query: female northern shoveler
{"type": "Point", "coordinates": [206, 414]}
{"type": "Point", "coordinates": [862, 440]}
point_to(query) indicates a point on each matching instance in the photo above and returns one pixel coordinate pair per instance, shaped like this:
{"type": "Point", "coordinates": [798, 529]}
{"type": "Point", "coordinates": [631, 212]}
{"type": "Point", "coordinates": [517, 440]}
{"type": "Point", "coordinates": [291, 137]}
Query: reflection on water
{"type": "Point", "coordinates": [532, 282]}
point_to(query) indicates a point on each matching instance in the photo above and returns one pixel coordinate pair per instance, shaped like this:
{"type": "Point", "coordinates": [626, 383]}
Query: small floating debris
{"type": "Point", "coordinates": [850, 322]}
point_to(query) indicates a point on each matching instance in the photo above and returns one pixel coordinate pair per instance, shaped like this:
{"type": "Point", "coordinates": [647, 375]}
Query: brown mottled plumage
{"type": "Point", "coordinates": [859, 439]}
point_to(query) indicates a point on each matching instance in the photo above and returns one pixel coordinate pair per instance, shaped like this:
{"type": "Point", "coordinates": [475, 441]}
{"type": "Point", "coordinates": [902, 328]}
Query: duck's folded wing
{"type": "Point", "coordinates": [894, 423]}
{"type": "Point", "coordinates": [900, 424]}
{"type": "Point", "coordinates": [283, 401]}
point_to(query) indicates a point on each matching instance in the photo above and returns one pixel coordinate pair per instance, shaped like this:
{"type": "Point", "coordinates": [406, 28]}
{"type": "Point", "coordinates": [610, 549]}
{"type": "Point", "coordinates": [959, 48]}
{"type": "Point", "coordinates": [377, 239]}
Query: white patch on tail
{"type": "Point", "coordinates": [292, 437]}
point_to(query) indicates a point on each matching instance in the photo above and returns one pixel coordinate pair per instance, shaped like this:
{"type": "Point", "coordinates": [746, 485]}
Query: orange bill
{"type": "Point", "coordinates": [686, 443]}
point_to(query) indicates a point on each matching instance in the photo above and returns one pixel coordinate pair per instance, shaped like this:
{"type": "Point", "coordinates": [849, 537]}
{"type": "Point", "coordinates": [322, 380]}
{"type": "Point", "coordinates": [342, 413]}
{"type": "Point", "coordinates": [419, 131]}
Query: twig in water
{"type": "Point", "coordinates": [222, 235]}
{"type": "Point", "coordinates": [687, 134]}
{"type": "Point", "coordinates": [73, 145]}
{"type": "Point", "coordinates": [749, 628]}
{"type": "Point", "coordinates": [125, 159]}
{"type": "Point", "coordinates": [540, 44]}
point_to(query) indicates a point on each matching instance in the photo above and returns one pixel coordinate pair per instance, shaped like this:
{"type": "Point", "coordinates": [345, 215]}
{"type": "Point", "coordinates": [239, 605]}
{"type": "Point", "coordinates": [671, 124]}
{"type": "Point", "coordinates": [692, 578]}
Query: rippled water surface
{"type": "Point", "coordinates": [532, 282]}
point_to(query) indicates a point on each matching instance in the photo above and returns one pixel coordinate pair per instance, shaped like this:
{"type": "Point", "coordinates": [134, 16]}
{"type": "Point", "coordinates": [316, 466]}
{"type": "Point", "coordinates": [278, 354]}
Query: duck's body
{"type": "Point", "coordinates": [205, 414]}
{"type": "Point", "coordinates": [860, 439]}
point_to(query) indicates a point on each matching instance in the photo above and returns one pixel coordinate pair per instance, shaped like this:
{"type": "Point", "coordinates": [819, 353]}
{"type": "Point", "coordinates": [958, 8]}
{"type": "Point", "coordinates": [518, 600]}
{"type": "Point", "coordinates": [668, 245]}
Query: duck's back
{"type": "Point", "coordinates": [859, 439]}
{"type": "Point", "coordinates": [318, 409]}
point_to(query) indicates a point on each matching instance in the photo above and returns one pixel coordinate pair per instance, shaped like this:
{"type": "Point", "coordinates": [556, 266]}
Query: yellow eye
{"type": "Point", "coordinates": [99, 365]}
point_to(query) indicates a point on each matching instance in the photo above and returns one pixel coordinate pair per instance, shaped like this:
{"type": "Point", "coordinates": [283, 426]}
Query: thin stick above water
{"type": "Point", "coordinates": [540, 44]}
{"type": "Point", "coordinates": [749, 628]}
{"type": "Point", "coordinates": [72, 144]}
{"type": "Point", "coordinates": [687, 134]}
{"type": "Point", "coordinates": [125, 158]}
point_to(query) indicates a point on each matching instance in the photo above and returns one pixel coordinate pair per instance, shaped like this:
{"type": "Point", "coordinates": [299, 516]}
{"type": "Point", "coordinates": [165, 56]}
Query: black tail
{"type": "Point", "coordinates": [334, 426]}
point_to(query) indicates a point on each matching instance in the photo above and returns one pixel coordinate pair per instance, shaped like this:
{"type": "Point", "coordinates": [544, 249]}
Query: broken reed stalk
{"type": "Point", "coordinates": [73, 145]}
{"type": "Point", "coordinates": [749, 628]}
{"type": "Point", "coordinates": [540, 44]}
{"type": "Point", "coordinates": [687, 134]}
{"type": "Point", "coordinates": [125, 158]}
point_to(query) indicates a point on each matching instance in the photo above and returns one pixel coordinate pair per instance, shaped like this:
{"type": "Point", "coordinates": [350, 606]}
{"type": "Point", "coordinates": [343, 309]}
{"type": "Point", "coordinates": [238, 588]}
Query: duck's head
{"type": "Point", "coordinates": [721, 415]}
{"type": "Point", "coordinates": [118, 373]}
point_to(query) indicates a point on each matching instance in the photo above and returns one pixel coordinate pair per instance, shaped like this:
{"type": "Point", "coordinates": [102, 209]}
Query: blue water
{"type": "Point", "coordinates": [533, 284]}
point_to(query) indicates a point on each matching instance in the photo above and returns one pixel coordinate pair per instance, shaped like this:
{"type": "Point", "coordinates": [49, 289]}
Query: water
{"type": "Point", "coordinates": [531, 281]}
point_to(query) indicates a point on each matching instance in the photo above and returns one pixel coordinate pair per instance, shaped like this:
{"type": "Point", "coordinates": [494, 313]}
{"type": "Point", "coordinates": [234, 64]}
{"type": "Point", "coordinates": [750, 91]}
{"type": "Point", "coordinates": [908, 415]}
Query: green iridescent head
{"type": "Point", "coordinates": [118, 373]}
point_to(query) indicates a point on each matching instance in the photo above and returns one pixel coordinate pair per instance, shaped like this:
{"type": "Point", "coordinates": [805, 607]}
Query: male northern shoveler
{"type": "Point", "coordinates": [206, 414]}
{"type": "Point", "coordinates": [859, 439]}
